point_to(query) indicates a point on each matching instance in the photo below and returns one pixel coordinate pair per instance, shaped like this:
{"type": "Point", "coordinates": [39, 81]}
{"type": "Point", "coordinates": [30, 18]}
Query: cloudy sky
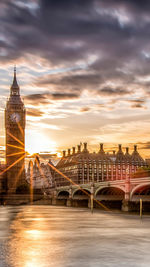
{"type": "Point", "coordinates": [83, 67]}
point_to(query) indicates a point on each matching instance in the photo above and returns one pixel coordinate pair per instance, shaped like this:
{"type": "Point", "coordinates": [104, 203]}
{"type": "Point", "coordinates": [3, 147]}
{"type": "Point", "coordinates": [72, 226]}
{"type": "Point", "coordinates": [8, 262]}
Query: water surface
{"type": "Point", "coordinates": [43, 236]}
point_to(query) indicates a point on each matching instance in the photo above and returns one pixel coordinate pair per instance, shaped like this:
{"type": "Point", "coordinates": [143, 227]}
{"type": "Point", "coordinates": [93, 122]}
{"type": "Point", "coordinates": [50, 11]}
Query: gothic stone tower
{"type": "Point", "coordinates": [15, 138]}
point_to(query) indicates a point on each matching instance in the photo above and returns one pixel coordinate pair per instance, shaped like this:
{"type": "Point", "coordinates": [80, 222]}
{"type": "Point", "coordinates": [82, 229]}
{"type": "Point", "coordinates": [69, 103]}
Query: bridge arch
{"type": "Point", "coordinates": [110, 196]}
{"type": "Point", "coordinates": [63, 194]}
{"type": "Point", "coordinates": [81, 190]}
{"type": "Point", "coordinates": [142, 188]}
{"type": "Point", "coordinates": [118, 189]}
{"type": "Point", "coordinates": [81, 197]}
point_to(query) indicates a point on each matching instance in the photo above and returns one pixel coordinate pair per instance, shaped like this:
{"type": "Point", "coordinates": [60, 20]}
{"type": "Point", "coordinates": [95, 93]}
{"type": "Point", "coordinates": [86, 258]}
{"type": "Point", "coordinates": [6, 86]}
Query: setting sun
{"type": "Point", "coordinates": [38, 143]}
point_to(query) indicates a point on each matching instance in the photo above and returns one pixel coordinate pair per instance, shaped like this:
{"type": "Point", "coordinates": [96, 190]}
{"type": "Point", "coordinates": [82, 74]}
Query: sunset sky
{"type": "Point", "coordinates": [83, 67]}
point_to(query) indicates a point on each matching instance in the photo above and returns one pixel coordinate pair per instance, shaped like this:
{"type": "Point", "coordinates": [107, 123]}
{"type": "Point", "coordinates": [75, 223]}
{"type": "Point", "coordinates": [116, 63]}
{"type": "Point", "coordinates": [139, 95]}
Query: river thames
{"type": "Point", "coordinates": [43, 236]}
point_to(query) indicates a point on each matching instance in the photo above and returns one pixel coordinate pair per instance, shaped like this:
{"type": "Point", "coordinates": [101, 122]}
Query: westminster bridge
{"type": "Point", "coordinates": [125, 194]}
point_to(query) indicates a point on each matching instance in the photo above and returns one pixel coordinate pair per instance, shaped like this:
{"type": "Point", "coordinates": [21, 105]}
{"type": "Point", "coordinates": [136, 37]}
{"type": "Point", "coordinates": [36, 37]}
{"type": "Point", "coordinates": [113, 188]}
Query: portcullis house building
{"type": "Point", "coordinates": [81, 166]}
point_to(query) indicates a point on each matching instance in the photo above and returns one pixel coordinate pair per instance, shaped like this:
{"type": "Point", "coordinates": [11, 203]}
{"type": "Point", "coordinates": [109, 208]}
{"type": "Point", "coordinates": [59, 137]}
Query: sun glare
{"type": "Point", "coordinates": [39, 143]}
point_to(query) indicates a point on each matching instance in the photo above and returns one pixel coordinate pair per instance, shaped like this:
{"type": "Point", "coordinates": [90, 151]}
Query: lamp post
{"type": "Point", "coordinates": [92, 193]}
{"type": "Point", "coordinates": [141, 209]}
{"type": "Point", "coordinates": [127, 184]}
{"type": "Point", "coordinates": [125, 206]}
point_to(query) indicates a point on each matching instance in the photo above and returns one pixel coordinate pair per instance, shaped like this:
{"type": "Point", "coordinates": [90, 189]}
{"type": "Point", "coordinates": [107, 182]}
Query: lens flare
{"type": "Point", "coordinates": [15, 146]}
{"type": "Point", "coordinates": [14, 163]}
{"type": "Point", "coordinates": [17, 153]}
{"type": "Point", "coordinates": [17, 178]}
{"type": "Point", "coordinates": [20, 128]}
{"type": "Point", "coordinates": [15, 138]}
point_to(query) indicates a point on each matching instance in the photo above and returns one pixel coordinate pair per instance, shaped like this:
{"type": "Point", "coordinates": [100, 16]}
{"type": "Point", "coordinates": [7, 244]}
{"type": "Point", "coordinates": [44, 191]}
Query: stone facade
{"type": "Point", "coordinates": [83, 167]}
{"type": "Point", "coordinates": [39, 175]}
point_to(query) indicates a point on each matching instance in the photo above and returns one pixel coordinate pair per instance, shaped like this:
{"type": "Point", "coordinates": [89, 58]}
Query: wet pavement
{"type": "Point", "coordinates": [43, 236]}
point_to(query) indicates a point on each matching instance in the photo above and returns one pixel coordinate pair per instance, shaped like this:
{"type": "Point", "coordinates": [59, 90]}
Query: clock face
{"type": "Point", "coordinates": [15, 117]}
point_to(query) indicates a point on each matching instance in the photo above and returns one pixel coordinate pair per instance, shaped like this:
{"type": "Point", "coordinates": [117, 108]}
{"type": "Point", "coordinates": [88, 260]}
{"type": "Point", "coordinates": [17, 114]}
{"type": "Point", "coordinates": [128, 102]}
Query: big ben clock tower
{"type": "Point", "coordinates": [15, 138]}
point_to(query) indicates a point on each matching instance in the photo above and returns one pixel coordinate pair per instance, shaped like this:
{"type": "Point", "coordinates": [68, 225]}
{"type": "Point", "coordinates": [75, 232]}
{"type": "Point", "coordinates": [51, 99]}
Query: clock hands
{"type": "Point", "coordinates": [15, 117]}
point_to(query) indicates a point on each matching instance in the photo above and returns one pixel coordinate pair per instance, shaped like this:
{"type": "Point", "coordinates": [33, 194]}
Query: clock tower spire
{"type": "Point", "coordinates": [15, 90]}
{"type": "Point", "coordinates": [15, 137]}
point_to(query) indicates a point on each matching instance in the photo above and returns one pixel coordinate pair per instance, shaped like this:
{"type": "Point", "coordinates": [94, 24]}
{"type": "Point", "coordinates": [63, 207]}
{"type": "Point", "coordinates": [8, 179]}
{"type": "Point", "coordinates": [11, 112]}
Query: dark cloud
{"type": "Point", "coordinates": [137, 106]}
{"type": "Point", "coordinates": [108, 91]}
{"type": "Point", "coordinates": [63, 96]}
{"type": "Point", "coordinates": [34, 112]}
{"type": "Point", "coordinates": [70, 83]}
{"type": "Point", "coordinates": [37, 99]}
{"type": "Point", "coordinates": [60, 23]}
{"type": "Point", "coordinates": [68, 31]}
{"type": "Point", "coordinates": [70, 79]}
{"type": "Point", "coordinates": [133, 6]}
{"type": "Point", "coordinates": [137, 103]}
{"type": "Point", "coordinates": [63, 4]}
{"type": "Point", "coordinates": [85, 109]}
{"type": "Point", "coordinates": [78, 82]}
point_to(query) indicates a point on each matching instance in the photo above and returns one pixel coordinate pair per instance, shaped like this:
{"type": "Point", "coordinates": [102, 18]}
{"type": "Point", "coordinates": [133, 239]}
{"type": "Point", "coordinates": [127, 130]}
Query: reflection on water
{"type": "Point", "coordinates": [33, 236]}
{"type": "Point", "coordinates": [32, 241]}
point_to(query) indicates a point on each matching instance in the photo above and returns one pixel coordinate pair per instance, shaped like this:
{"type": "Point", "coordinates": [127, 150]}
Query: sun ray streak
{"type": "Point", "coordinates": [15, 138]}
{"type": "Point", "coordinates": [67, 178]}
{"type": "Point", "coordinates": [20, 128]}
{"type": "Point", "coordinates": [17, 153]}
{"type": "Point", "coordinates": [15, 146]}
{"type": "Point", "coordinates": [17, 178]}
{"type": "Point", "coordinates": [14, 163]}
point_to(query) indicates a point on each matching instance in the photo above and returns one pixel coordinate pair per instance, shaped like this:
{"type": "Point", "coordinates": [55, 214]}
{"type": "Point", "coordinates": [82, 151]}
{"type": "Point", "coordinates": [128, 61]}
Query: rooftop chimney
{"type": "Point", "coordinates": [135, 148]}
{"type": "Point", "coordinates": [79, 148]}
{"type": "Point", "coordinates": [120, 147]}
{"type": "Point", "coordinates": [127, 150]}
{"type": "Point", "coordinates": [74, 150]}
{"type": "Point", "coordinates": [64, 153]}
{"type": "Point", "coordinates": [85, 147]}
{"type": "Point", "coordinates": [101, 148]}
{"type": "Point", "coordinates": [69, 151]}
